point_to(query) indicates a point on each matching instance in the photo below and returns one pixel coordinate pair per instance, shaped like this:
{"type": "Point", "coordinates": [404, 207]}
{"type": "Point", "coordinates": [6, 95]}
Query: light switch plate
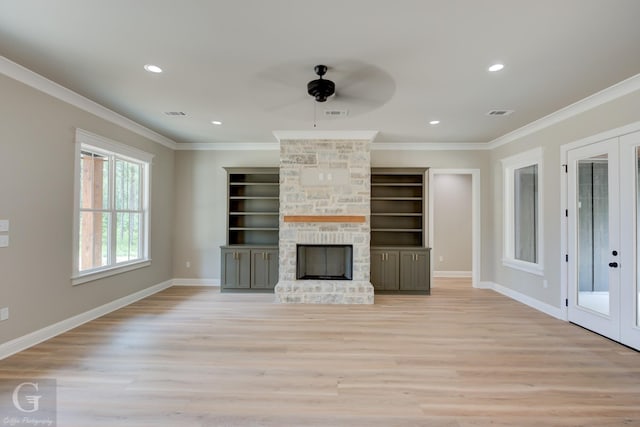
{"type": "Point", "coordinates": [4, 225]}
{"type": "Point", "coordinates": [4, 241]}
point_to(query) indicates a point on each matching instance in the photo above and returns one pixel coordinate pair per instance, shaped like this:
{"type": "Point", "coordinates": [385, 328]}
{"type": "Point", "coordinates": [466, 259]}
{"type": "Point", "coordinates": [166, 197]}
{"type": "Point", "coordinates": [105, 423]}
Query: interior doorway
{"type": "Point", "coordinates": [454, 199]}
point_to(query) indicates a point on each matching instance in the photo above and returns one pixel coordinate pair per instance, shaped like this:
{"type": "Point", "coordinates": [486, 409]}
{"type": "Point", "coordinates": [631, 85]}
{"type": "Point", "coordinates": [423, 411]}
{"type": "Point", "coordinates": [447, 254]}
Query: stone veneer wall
{"type": "Point", "coordinates": [351, 197]}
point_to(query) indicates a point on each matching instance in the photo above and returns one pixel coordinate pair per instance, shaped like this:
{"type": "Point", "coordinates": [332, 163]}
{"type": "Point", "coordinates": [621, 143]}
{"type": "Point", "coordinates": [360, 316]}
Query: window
{"type": "Point", "coordinates": [112, 213]}
{"type": "Point", "coordinates": [522, 248]}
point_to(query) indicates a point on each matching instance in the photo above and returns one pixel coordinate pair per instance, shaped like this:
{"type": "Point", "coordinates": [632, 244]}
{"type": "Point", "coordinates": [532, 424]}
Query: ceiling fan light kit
{"type": "Point", "coordinates": [320, 88]}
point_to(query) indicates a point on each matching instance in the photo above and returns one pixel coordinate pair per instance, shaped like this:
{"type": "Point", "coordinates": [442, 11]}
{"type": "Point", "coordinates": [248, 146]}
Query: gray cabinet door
{"type": "Point", "coordinates": [392, 271]}
{"type": "Point", "coordinates": [377, 269]}
{"type": "Point", "coordinates": [236, 268]}
{"type": "Point", "coordinates": [264, 268]}
{"type": "Point", "coordinates": [384, 270]}
{"type": "Point", "coordinates": [414, 271]}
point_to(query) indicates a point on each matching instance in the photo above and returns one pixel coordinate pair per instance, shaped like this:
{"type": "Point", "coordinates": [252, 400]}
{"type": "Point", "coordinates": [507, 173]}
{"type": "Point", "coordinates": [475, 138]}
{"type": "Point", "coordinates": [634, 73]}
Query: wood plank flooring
{"type": "Point", "coordinates": [191, 356]}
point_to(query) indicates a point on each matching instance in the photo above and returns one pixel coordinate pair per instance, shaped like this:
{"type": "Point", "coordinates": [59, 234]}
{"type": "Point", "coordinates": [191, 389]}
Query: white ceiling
{"type": "Point", "coordinates": [396, 64]}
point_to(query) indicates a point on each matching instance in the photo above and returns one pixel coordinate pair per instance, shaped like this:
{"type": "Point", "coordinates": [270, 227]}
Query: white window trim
{"type": "Point", "coordinates": [509, 165]}
{"type": "Point", "coordinates": [99, 143]}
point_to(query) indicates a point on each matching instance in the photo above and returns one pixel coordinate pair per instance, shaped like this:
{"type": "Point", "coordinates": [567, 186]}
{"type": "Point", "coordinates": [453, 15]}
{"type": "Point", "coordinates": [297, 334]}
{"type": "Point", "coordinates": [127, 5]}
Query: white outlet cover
{"type": "Point", "coordinates": [4, 241]}
{"type": "Point", "coordinates": [4, 225]}
{"type": "Point", "coordinates": [4, 313]}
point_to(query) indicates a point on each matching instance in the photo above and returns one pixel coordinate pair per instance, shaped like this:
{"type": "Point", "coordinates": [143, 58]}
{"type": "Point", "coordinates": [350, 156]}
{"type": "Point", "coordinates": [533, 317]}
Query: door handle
{"type": "Point", "coordinates": [613, 264]}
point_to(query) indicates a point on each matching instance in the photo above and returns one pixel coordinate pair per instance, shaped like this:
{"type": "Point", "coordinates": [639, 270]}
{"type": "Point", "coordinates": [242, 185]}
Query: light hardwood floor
{"type": "Point", "coordinates": [191, 356]}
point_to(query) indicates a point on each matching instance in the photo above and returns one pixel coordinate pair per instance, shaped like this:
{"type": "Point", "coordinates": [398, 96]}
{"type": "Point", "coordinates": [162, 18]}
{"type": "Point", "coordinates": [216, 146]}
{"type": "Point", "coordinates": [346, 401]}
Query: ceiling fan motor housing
{"type": "Point", "coordinates": [321, 89]}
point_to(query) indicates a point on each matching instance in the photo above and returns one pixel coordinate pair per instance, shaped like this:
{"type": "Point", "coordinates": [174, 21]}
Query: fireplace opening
{"type": "Point", "coordinates": [324, 262]}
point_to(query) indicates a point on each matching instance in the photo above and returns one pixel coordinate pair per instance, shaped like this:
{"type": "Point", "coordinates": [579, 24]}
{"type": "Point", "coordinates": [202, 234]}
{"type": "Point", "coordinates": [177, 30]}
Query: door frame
{"type": "Point", "coordinates": [475, 217]}
{"type": "Point", "coordinates": [564, 201]}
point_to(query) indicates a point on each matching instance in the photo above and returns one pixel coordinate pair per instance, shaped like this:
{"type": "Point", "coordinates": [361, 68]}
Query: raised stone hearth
{"type": "Point", "coordinates": [324, 292]}
{"type": "Point", "coordinates": [324, 185]}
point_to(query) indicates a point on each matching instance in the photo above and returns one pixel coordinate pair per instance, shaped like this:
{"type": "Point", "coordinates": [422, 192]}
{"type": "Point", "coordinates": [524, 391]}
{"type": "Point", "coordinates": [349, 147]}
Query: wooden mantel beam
{"type": "Point", "coordinates": [324, 218]}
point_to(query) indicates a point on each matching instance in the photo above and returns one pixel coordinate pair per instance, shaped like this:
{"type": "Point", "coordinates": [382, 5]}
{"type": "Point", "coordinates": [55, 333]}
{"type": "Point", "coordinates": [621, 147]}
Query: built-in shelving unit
{"type": "Point", "coordinates": [399, 260]}
{"type": "Point", "coordinates": [249, 260]}
{"type": "Point", "coordinates": [254, 200]}
{"type": "Point", "coordinates": [397, 207]}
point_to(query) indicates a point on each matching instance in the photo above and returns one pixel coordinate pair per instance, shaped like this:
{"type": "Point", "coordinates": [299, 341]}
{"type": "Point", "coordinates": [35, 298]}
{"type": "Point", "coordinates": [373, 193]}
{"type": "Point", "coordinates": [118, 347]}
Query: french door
{"type": "Point", "coordinates": [603, 196]}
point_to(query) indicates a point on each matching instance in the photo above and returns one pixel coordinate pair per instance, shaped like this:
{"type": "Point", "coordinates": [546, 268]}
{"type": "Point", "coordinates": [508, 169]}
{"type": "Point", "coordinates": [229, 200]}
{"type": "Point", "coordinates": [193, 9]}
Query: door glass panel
{"type": "Point", "coordinates": [637, 292]}
{"type": "Point", "coordinates": [593, 234]}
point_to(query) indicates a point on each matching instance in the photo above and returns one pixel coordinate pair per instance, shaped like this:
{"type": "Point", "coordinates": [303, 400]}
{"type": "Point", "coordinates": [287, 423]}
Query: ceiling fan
{"type": "Point", "coordinates": [321, 89]}
{"type": "Point", "coordinates": [359, 88]}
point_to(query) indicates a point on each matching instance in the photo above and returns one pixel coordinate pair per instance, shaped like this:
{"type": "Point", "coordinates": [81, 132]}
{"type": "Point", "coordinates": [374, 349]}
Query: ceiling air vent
{"type": "Point", "coordinates": [175, 113]}
{"type": "Point", "coordinates": [497, 113]}
{"type": "Point", "coordinates": [336, 113]}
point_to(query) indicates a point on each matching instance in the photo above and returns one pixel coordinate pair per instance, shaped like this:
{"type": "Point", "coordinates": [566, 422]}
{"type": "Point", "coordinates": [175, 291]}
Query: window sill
{"type": "Point", "coordinates": [111, 271]}
{"type": "Point", "coordinates": [528, 267]}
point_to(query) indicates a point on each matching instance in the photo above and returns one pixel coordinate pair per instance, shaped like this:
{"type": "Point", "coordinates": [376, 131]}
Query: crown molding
{"type": "Point", "coordinates": [38, 82]}
{"type": "Point", "coordinates": [375, 146]}
{"type": "Point", "coordinates": [429, 146]}
{"type": "Point", "coordinates": [618, 90]}
{"type": "Point", "coordinates": [368, 135]}
{"type": "Point", "coordinates": [229, 146]}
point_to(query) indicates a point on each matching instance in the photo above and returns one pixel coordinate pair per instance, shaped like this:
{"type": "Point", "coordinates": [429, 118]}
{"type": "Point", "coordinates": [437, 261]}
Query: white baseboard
{"type": "Point", "coordinates": [29, 340]}
{"type": "Point", "coordinates": [451, 274]}
{"type": "Point", "coordinates": [196, 282]}
{"type": "Point", "coordinates": [552, 311]}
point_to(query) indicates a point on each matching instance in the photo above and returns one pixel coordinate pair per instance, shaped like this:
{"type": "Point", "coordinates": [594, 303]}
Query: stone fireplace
{"type": "Point", "coordinates": [325, 201]}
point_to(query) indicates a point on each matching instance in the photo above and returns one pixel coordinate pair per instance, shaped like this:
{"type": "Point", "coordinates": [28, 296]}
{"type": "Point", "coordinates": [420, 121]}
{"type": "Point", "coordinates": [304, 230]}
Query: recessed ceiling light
{"type": "Point", "coordinates": [434, 122]}
{"type": "Point", "coordinates": [216, 122]}
{"type": "Point", "coordinates": [496, 67]}
{"type": "Point", "coordinates": [153, 68]}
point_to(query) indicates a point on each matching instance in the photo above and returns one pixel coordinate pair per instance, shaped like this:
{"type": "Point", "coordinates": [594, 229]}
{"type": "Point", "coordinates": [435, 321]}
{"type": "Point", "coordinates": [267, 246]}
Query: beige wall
{"type": "Point", "coordinates": [611, 115]}
{"type": "Point", "coordinates": [201, 198]}
{"type": "Point", "coordinates": [37, 135]}
{"type": "Point", "coordinates": [452, 211]}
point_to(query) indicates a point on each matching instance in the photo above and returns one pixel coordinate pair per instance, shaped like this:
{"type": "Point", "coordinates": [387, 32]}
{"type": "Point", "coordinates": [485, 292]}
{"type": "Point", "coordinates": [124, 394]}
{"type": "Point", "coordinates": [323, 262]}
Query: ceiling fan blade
{"type": "Point", "coordinates": [364, 85]}
{"type": "Point", "coordinates": [368, 99]}
{"type": "Point", "coordinates": [285, 104]}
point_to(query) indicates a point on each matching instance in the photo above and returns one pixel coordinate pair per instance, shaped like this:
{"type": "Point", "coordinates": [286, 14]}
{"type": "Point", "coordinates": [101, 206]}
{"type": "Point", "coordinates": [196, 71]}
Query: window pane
{"type": "Point", "coordinates": [526, 213]}
{"type": "Point", "coordinates": [94, 181]}
{"type": "Point", "coordinates": [94, 240]}
{"type": "Point", "coordinates": [127, 185]}
{"type": "Point", "coordinates": [128, 245]}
